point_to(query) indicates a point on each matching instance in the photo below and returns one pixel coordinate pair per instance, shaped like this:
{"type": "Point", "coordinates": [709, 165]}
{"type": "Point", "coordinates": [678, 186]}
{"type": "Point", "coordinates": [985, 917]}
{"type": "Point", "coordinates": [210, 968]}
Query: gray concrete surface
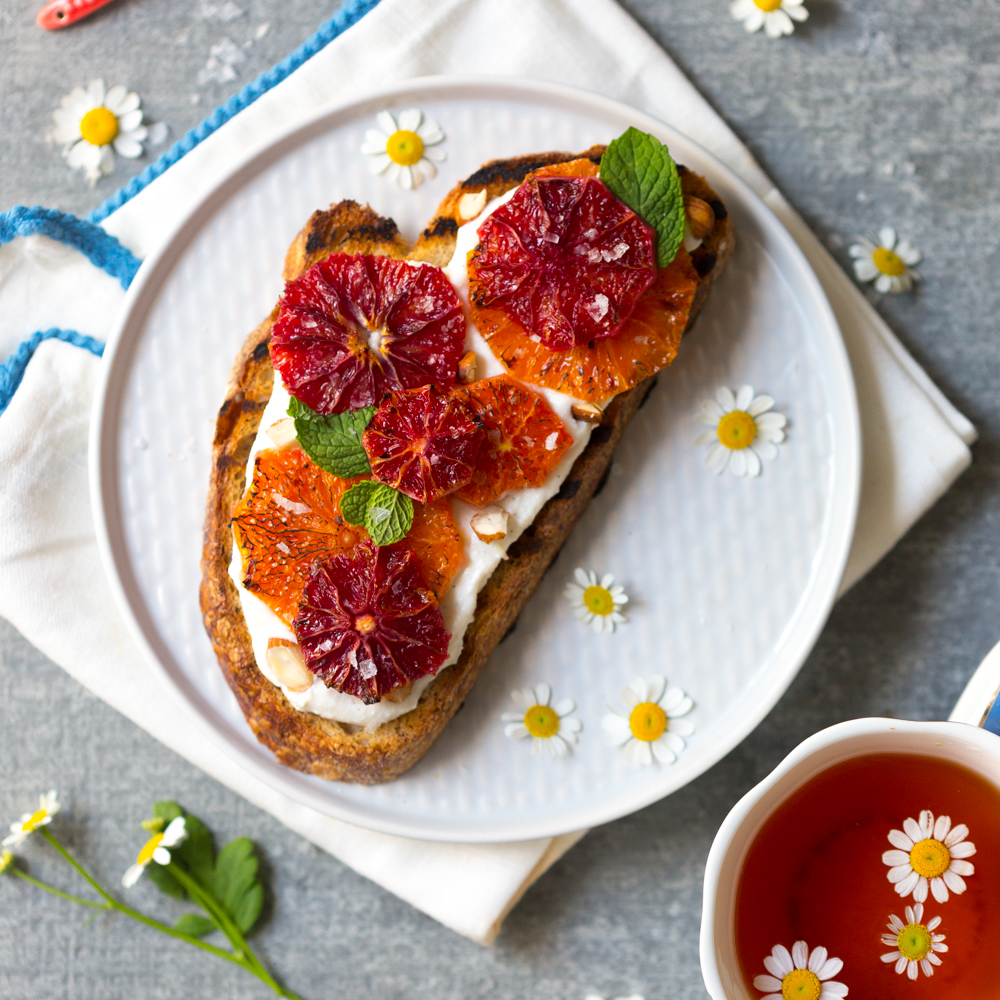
{"type": "Point", "coordinates": [872, 113]}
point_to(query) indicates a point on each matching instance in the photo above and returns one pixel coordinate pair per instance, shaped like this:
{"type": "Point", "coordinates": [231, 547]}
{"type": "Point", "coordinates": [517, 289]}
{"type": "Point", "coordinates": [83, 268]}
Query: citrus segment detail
{"type": "Point", "coordinates": [525, 438]}
{"type": "Point", "coordinates": [368, 622]}
{"type": "Point", "coordinates": [290, 517]}
{"type": "Point", "coordinates": [424, 443]}
{"type": "Point", "coordinates": [354, 327]}
{"type": "Point", "coordinates": [563, 258]}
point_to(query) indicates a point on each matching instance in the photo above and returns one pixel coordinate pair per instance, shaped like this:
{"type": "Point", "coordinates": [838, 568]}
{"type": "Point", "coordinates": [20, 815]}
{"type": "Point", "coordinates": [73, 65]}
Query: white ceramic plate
{"type": "Point", "coordinates": [730, 579]}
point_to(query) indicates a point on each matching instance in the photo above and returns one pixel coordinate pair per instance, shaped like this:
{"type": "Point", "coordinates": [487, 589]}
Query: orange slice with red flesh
{"type": "Point", "coordinates": [290, 517]}
{"type": "Point", "coordinates": [526, 439]}
{"type": "Point", "coordinates": [597, 370]}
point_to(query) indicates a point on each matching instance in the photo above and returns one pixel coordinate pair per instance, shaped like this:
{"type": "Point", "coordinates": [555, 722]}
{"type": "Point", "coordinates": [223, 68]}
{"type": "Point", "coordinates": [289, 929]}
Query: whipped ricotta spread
{"type": "Point", "coordinates": [481, 558]}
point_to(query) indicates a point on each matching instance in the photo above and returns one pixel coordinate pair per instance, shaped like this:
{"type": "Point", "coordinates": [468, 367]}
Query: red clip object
{"type": "Point", "coordinates": [60, 13]}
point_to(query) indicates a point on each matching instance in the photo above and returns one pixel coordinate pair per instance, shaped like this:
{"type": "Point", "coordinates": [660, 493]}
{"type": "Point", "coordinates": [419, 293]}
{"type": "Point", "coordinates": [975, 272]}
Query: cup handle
{"type": "Point", "coordinates": [979, 704]}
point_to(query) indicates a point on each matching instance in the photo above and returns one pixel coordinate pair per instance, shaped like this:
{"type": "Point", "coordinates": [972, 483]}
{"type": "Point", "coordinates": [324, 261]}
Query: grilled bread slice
{"type": "Point", "coordinates": [309, 742]}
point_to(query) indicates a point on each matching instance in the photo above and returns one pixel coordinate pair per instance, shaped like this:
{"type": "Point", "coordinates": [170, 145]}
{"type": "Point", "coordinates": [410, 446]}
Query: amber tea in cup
{"type": "Point", "coordinates": [824, 869]}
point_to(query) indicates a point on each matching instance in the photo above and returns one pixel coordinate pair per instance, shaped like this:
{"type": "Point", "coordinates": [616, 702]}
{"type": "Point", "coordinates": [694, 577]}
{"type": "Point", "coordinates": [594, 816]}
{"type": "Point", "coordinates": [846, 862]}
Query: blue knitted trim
{"type": "Point", "coordinates": [12, 370]}
{"type": "Point", "coordinates": [351, 12]}
{"type": "Point", "coordinates": [100, 247]}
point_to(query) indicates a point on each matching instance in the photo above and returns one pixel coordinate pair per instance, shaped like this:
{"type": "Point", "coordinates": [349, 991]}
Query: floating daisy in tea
{"type": "Point", "coordinates": [801, 975]}
{"type": "Point", "coordinates": [546, 723]}
{"type": "Point", "coordinates": [915, 943]}
{"type": "Point", "coordinates": [742, 430]}
{"type": "Point", "coordinates": [930, 853]}
{"type": "Point", "coordinates": [650, 726]}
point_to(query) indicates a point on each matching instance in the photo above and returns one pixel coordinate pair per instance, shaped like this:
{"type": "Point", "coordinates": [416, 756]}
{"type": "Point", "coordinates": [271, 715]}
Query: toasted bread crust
{"type": "Point", "coordinates": [320, 746]}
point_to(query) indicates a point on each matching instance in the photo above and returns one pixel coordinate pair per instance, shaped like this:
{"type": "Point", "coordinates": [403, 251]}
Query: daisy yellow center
{"type": "Point", "coordinates": [541, 721]}
{"type": "Point", "coordinates": [914, 942]}
{"type": "Point", "coordinates": [99, 126]}
{"type": "Point", "coordinates": [930, 858]}
{"type": "Point", "coordinates": [768, 5]}
{"type": "Point", "coordinates": [150, 846]}
{"type": "Point", "coordinates": [598, 600]}
{"type": "Point", "coordinates": [888, 262]}
{"type": "Point", "coordinates": [737, 430]}
{"type": "Point", "coordinates": [801, 984]}
{"type": "Point", "coordinates": [35, 820]}
{"type": "Point", "coordinates": [405, 147]}
{"type": "Point", "coordinates": [647, 721]}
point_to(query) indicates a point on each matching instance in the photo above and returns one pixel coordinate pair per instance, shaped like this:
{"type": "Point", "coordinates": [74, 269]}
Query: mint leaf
{"type": "Point", "coordinates": [333, 442]}
{"type": "Point", "coordinates": [195, 925]}
{"type": "Point", "coordinates": [354, 503]}
{"type": "Point", "coordinates": [638, 170]}
{"type": "Point", "coordinates": [234, 882]}
{"type": "Point", "coordinates": [389, 515]}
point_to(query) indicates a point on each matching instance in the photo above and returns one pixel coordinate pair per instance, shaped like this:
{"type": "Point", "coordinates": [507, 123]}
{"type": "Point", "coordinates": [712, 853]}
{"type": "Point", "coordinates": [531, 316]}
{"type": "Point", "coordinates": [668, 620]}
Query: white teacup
{"type": "Point", "coordinates": [959, 741]}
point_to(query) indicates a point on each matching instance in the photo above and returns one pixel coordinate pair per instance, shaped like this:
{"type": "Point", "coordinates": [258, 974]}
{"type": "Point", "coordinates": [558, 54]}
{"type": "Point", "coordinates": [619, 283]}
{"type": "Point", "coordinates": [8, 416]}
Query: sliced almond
{"type": "Point", "coordinates": [700, 216]}
{"type": "Point", "coordinates": [490, 523]}
{"type": "Point", "coordinates": [282, 433]}
{"type": "Point", "coordinates": [288, 664]}
{"type": "Point", "coordinates": [470, 205]}
{"type": "Point", "coordinates": [467, 367]}
{"type": "Point", "coordinates": [587, 412]}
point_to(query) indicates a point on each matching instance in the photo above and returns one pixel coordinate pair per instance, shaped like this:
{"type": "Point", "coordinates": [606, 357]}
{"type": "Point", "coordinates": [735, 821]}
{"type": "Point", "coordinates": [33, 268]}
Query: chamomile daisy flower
{"type": "Point", "coordinates": [774, 16]}
{"type": "Point", "coordinates": [931, 854]}
{"type": "Point", "coordinates": [596, 603]}
{"type": "Point", "coordinates": [889, 262]}
{"type": "Point", "coordinates": [94, 124]}
{"type": "Point", "coordinates": [48, 806]}
{"type": "Point", "coordinates": [743, 430]}
{"type": "Point", "coordinates": [803, 973]}
{"type": "Point", "coordinates": [155, 849]}
{"type": "Point", "coordinates": [650, 724]}
{"type": "Point", "coordinates": [538, 718]}
{"type": "Point", "coordinates": [915, 945]}
{"type": "Point", "coordinates": [403, 150]}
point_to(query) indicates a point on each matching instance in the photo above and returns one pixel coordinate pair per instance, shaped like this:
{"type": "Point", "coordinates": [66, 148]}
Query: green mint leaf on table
{"type": "Point", "coordinates": [234, 882]}
{"type": "Point", "coordinates": [333, 442]}
{"type": "Point", "coordinates": [354, 503]}
{"type": "Point", "coordinates": [194, 925]}
{"type": "Point", "coordinates": [638, 170]}
{"type": "Point", "coordinates": [389, 515]}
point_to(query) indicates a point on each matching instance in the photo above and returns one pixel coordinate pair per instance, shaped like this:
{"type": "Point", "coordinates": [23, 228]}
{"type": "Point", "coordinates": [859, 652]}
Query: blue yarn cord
{"type": "Point", "coordinates": [101, 248]}
{"type": "Point", "coordinates": [351, 12]}
{"type": "Point", "coordinates": [12, 370]}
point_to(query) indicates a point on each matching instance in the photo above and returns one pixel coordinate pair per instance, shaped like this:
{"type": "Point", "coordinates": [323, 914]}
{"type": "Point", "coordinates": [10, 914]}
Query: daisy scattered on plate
{"type": "Point", "coordinates": [802, 973]}
{"type": "Point", "coordinates": [743, 430]}
{"type": "Point", "coordinates": [650, 724]}
{"type": "Point", "coordinates": [596, 603]}
{"type": "Point", "coordinates": [403, 151]}
{"type": "Point", "coordinates": [545, 723]}
{"type": "Point", "coordinates": [48, 806]}
{"type": "Point", "coordinates": [155, 849]}
{"type": "Point", "coordinates": [889, 262]}
{"type": "Point", "coordinates": [929, 853]}
{"type": "Point", "coordinates": [915, 944]}
{"type": "Point", "coordinates": [774, 16]}
{"type": "Point", "coordinates": [94, 124]}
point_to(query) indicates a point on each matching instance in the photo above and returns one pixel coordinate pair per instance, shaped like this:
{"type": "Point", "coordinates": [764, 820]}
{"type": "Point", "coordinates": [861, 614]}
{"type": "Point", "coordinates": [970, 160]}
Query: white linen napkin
{"type": "Point", "coordinates": [52, 586]}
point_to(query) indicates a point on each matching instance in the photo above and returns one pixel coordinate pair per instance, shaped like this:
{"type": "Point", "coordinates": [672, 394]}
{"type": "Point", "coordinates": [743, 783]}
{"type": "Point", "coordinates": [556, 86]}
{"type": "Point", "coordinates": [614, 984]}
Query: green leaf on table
{"type": "Point", "coordinates": [234, 882]}
{"type": "Point", "coordinates": [167, 811]}
{"type": "Point", "coordinates": [639, 170]}
{"type": "Point", "coordinates": [333, 442]}
{"type": "Point", "coordinates": [164, 880]}
{"type": "Point", "coordinates": [195, 925]}
{"type": "Point", "coordinates": [354, 503]}
{"type": "Point", "coordinates": [389, 515]}
{"type": "Point", "coordinates": [195, 851]}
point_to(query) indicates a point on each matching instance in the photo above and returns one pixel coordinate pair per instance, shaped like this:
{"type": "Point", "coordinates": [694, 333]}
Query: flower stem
{"type": "Point", "coordinates": [58, 892]}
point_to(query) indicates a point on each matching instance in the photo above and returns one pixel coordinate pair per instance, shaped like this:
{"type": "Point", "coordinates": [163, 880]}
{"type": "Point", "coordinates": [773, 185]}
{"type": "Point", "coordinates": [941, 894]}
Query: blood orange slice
{"type": "Point", "coordinates": [564, 258]}
{"type": "Point", "coordinates": [424, 443]}
{"type": "Point", "coordinates": [525, 439]}
{"type": "Point", "coordinates": [354, 327]}
{"type": "Point", "coordinates": [644, 344]}
{"type": "Point", "coordinates": [368, 622]}
{"type": "Point", "coordinates": [290, 517]}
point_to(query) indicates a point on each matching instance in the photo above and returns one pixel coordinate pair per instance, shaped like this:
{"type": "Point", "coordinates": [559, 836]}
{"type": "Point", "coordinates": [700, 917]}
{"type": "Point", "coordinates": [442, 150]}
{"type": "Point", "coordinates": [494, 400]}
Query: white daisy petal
{"type": "Point", "coordinates": [543, 693]}
{"type": "Point", "coordinates": [765, 449]}
{"type": "Point", "coordinates": [899, 839]}
{"type": "Point", "coordinates": [638, 754]}
{"type": "Point", "coordinates": [639, 688]}
{"type": "Point", "coordinates": [957, 834]}
{"type": "Point", "coordinates": [564, 707]}
{"type": "Point", "coordinates": [516, 731]}
{"type": "Point", "coordinates": [926, 823]}
{"type": "Point", "coordinates": [770, 420]}
{"type": "Point", "coordinates": [705, 437]}
{"type": "Point", "coordinates": [410, 119]}
{"type": "Point", "coordinates": [797, 13]}
{"type": "Point", "coordinates": [766, 983]}
{"type": "Point", "coordinates": [161, 856]}
{"type": "Point", "coordinates": [887, 237]}
{"type": "Point", "coordinates": [386, 123]}
{"type": "Point", "coordinates": [755, 20]}
{"type": "Point", "coordinates": [437, 155]}
{"type": "Point", "coordinates": [672, 740]}
{"type": "Point", "coordinates": [896, 858]}
{"type": "Point", "coordinates": [617, 730]}
{"type": "Point", "coordinates": [753, 462]}
{"type": "Point", "coordinates": [953, 881]}
{"type": "Point", "coordinates": [883, 284]}
{"type": "Point", "coordinates": [961, 867]}
{"type": "Point", "coordinates": [662, 751]}
{"type": "Point", "coordinates": [682, 727]}
{"type": "Point", "coordinates": [738, 463]}
{"type": "Point", "coordinates": [726, 398]}
{"type": "Point", "coordinates": [800, 954]}
{"type": "Point", "coordinates": [831, 989]}
{"type": "Point", "coordinates": [96, 92]}
{"type": "Point", "coordinates": [912, 829]}
{"type": "Point", "coordinates": [816, 959]}
{"type": "Point", "coordinates": [430, 133]}
{"type": "Point", "coordinates": [127, 147]}
{"type": "Point", "coordinates": [778, 23]}
{"type": "Point", "coordinates": [782, 962]}
{"type": "Point", "coordinates": [964, 849]}
{"type": "Point", "coordinates": [829, 968]}
{"type": "Point", "coordinates": [717, 457]}
{"type": "Point", "coordinates": [744, 397]}
{"type": "Point", "coordinates": [131, 876]}
{"type": "Point", "coordinates": [655, 688]}
{"type": "Point", "coordinates": [865, 269]}
{"type": "Point", "coordinates": [759, 405]}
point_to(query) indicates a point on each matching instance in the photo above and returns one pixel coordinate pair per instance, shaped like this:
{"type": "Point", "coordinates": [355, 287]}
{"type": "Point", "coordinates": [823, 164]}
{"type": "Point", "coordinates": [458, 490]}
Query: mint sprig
{"type": "Point", "coordinates": [639, 170]}
{"type": "Point", "coordinates": [386, 514]}
{"type": "Point", "coordinates": [333, 442]}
